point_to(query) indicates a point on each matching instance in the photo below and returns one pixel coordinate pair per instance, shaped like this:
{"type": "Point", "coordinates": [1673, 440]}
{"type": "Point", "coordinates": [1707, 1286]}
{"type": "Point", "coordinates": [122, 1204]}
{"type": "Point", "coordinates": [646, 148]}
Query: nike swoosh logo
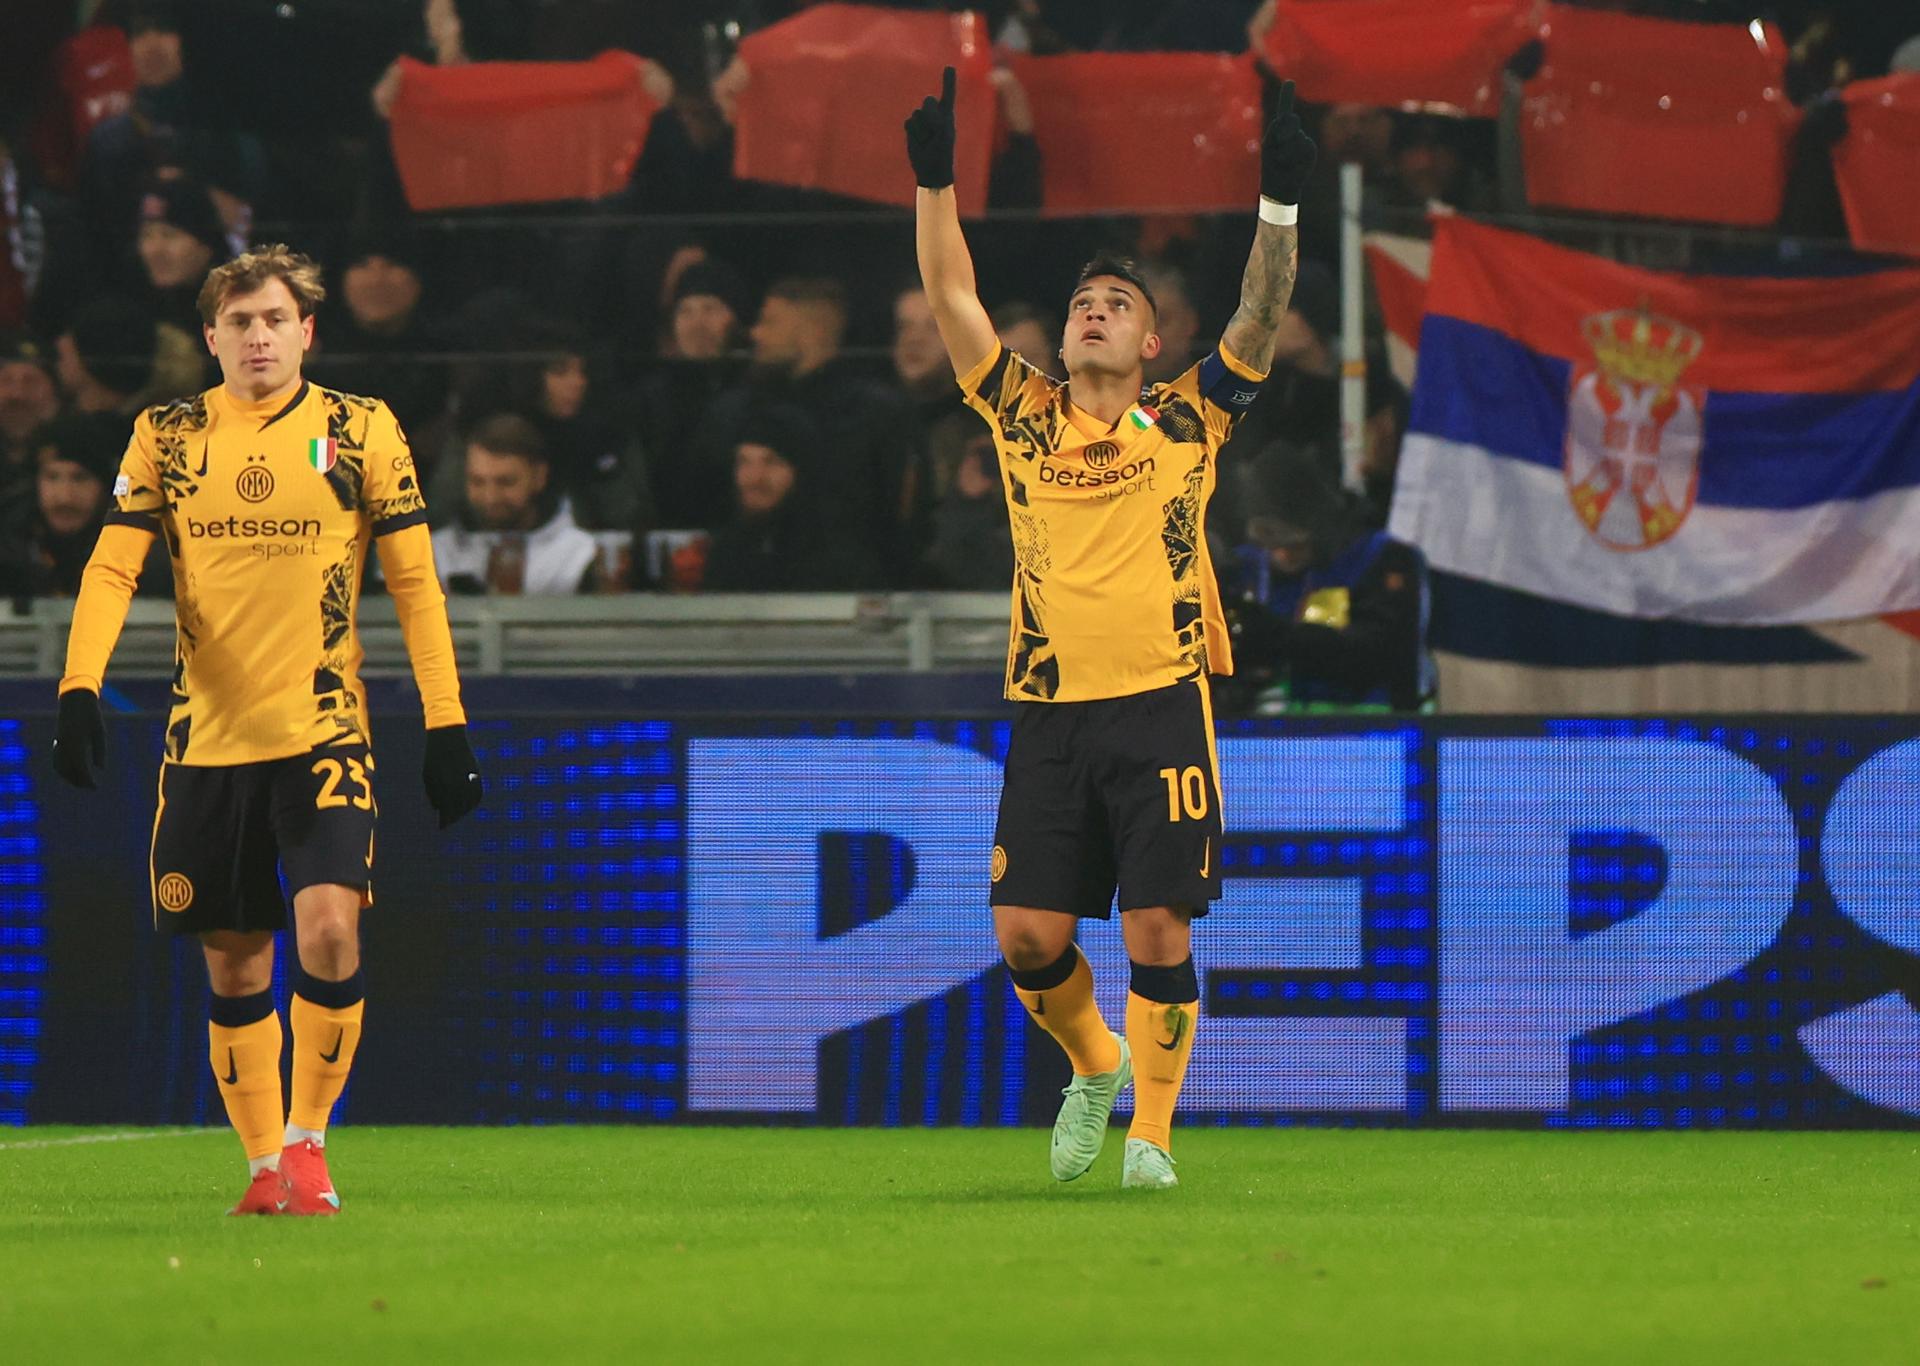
{"type": "Point", "coordinates": [233, 1073]}
{"type": "Point", "coordinates": [201, 473]}
{"type": "Point", "coordinates": [1177, 1022]}
{"type": "Point", "coordinates": [1206, 857]}
{"type": "Point", "coordinates": [335, 1055]}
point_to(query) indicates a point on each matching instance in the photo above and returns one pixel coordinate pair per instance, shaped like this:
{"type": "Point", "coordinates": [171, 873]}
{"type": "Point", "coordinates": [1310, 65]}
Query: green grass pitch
{"type": "Point", "coordinates": [671, 1244]}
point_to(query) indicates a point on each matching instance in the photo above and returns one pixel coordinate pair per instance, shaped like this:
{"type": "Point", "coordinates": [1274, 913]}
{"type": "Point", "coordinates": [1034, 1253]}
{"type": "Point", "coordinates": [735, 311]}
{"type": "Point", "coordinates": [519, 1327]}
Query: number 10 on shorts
{"type": "Point", "coordinates": [1186, 788]}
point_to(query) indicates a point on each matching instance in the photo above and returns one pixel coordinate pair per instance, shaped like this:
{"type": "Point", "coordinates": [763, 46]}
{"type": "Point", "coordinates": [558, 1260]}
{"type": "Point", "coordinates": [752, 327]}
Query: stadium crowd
{"type": "Point", "coordinates": [699, 383]}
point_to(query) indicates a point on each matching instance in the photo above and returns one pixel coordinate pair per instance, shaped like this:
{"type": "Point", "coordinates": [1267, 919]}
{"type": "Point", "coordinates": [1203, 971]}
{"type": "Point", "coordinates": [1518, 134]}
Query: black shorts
{"type": "Point", "coordinates": [1119, 794]}
{"type": "Point", "coordinates": [223, 836]}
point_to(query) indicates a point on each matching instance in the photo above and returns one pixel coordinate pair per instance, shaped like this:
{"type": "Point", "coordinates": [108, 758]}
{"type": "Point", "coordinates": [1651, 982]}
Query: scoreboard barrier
{"type": "Point", "coordinates": [1624, 923]}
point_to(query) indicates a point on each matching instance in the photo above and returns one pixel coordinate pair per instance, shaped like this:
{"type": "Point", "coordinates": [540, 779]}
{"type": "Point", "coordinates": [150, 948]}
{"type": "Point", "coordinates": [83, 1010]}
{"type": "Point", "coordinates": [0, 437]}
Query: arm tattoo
{"type": "Point", "coordinates": [1264, 291]}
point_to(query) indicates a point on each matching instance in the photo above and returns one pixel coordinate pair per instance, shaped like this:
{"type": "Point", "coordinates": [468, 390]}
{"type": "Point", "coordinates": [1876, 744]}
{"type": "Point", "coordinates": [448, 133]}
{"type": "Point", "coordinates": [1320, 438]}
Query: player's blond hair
{"type": "Point", "coordinates": [251, 269]}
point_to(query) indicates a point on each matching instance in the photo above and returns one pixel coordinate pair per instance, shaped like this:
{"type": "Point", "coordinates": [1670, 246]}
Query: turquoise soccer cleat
{"type": "Point", "coordinates": [1081, 1129]}
{"type": "Point", "coordinates": [1147, 1167]}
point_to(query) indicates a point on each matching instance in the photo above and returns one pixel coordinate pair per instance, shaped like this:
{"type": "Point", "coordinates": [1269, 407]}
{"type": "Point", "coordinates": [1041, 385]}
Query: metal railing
{"type": "Point", "coordinates": [614, 634]}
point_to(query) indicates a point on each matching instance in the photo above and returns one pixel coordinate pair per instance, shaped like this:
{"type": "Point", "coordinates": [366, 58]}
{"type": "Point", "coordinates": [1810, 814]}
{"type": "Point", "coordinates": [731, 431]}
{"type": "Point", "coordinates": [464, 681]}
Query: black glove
{"type": "Point", "coordinates": [80, 739]}
{"type": "Point", "coordinates": [452, 774]}
{"type": "Point", "coordinates": [1260, 637]}
{"type": "Point", "coordinates": [930, 137]}
{"type": "Point", "coordinates": [1286, 153]}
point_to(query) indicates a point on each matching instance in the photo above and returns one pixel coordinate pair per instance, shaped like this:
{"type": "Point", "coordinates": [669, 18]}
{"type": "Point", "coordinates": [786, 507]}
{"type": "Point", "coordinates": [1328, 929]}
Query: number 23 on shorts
{"type": "Point", "coordinates": [331, 773]}
{"type": "Point", "coordinates": [1186, 791]}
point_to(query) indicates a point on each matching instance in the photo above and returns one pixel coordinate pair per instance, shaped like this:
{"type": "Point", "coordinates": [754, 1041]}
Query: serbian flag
{"type": "Point", "coordinates": [1712, 449]}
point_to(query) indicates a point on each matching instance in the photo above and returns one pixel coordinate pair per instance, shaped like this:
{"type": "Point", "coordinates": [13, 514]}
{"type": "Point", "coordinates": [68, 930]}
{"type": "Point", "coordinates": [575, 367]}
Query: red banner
{"type": "Point", "coordinates": [1399, 51]}
{"type": "Point", "coordinates": [1131, 132]}
{"type": "Point", "coordinates": [1659, 119]}
{"type": "Point", "coordinates": [829, 90]}
{"type": "Point", "coordinates": [518, 132]}
{"type": "Point", "coordinates": [1877, 164]}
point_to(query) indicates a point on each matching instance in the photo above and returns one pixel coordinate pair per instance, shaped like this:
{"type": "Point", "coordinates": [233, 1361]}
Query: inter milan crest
{"type": "Point", "coordinates": [1634, 431]}
{"type": "Point", "coordinates": [1101, 454]}
{"type": "Point", "coordinates": [254, 483]}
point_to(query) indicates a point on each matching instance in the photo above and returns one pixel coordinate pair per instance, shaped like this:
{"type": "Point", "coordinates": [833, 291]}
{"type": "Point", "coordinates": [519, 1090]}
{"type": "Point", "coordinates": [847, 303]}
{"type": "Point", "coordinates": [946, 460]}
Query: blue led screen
{"type": "Point", "coordinates": [1643, 923]}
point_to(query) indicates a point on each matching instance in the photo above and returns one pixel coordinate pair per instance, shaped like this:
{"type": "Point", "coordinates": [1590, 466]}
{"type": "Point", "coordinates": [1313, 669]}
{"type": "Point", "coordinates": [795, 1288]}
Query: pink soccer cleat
{"type": "Point", "coordinates": [305, 1164]}
{"type": "Point", "coordinates": [267, 1193]}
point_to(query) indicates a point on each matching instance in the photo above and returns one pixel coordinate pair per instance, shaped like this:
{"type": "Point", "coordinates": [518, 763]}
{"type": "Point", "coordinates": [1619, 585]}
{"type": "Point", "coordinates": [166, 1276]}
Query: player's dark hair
{"type": "Point", "coordinates": [250, 270]}
{"type": "Point", "coordinates": [509, 434]}
{"type": "Point", "coordinates": [1121, 268]}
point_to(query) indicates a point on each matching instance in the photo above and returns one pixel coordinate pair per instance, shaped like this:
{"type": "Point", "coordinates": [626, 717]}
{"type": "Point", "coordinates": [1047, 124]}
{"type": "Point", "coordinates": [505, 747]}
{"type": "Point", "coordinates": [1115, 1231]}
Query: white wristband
{"type": "Point", "coordinates": [1280, 215]}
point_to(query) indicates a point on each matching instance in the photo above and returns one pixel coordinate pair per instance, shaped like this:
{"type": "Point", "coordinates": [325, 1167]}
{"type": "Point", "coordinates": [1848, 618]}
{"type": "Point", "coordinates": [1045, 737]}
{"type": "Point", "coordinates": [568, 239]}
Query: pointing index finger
{"type": "Point", "coordinates": [1286, 100]}
{"type": "Point", "coordinates": [946, 88]}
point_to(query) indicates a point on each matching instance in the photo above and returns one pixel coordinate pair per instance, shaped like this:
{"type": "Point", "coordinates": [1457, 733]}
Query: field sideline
{"type": "Point", "coordinates": [669, 1244]}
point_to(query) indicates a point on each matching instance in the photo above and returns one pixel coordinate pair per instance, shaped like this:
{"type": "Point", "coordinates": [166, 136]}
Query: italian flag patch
{"type": "Point", "coordinates": [1143, 416]}
{"type": "Point", "coordinates": [322, 453]}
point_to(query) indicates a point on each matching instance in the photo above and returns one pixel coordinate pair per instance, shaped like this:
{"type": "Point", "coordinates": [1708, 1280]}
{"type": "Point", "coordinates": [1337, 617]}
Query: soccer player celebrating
{"type": "Point", "coordinates": [1111, 781]}
{"type": "Point", "coordinates": [269, 490]}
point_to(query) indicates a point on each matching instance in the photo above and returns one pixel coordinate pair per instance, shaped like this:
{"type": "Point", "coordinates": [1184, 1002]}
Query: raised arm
{"type": "Point", "coordinates": [1286, 158]}
{"type": "Point", "coordinates": [946, 267]}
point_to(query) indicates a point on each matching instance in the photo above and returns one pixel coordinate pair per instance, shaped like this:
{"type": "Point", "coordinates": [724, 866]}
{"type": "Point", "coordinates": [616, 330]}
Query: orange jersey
{"type": "Point", "coordinates": [1113, 588]}
{"type": "Point", "coordinates": [268, 510]}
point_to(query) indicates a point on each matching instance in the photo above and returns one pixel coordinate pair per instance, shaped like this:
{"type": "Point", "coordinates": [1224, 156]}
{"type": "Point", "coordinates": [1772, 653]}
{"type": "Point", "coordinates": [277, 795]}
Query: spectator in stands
{"type": "Point", "coordinates": [1299, 403]}
{"type": "Point", "coordinates": [1325, 613]}
{"type": "Point", "coordinates": [48, 539]}
{"type": "Point", "coordinates": [783, 537]}
{"type": "Point", "coordinates": [932, 482]}
{"type": "Point", "coordinates": [369, 340]}
{"type": "Point", "coordinates": [1361, 133]}
{"type": "Point", "coordinates": [1024, 329]}
{"type": "Point", "coordinates": [514, 535]}
{"type": "Point", "coordinates": [971, 545]}
{"type": "Point", "coordinates": [598, 465]}
{"type": "Point", "coordinates": [1431, 165]}
{"type": "Point", "coordinates": [705, 305]}
{"type": "Point", "coordinates": [28, 398]}
{"type": "Point", "coordinates": [162, 96]}
{"type": "Point", "coordinates": [919, 359]}
{"type": "Point", "coordinates": [671, 401]}
{"type": "Point", "coordinates": [866, 430]}
{"type": "Point", "coordinates": [175, 129]}
{"type": "Point", "coordinates": [181, 237]}
{"type": "Point", "coordinates": [106, 357]}
{"type": "Point", "coordinates": [1175, 319]}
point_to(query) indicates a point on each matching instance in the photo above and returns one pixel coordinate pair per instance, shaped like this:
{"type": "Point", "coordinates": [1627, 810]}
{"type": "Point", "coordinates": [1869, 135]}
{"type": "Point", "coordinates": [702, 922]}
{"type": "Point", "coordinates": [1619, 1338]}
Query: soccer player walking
{"type": "Point", "coordinates": [1111, 781]}
{"type": "Point", "coordinates": [269, 490]}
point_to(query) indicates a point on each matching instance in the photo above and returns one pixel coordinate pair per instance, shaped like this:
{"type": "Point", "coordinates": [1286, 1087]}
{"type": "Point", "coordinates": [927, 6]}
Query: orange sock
{"type": "Point", "coordinates": [1059, 998]}
{"type": "Point", "coordinates": [324, 1037]}
{"type": "Point", "coordinates": [245, 1054]}
{"type": "Point", "coordinates": [1161, 1037]}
